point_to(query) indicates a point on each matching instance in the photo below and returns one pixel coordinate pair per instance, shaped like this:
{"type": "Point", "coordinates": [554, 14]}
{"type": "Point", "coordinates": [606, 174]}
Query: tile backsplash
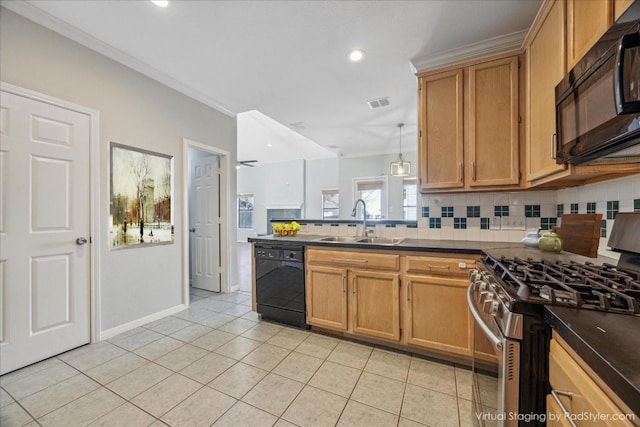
{"type": "Point", "coordinates": [506, 216]}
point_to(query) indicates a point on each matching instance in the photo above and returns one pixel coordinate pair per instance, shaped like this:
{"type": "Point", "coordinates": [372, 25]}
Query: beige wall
{"type": "Point", "coordinates": [134, 110]}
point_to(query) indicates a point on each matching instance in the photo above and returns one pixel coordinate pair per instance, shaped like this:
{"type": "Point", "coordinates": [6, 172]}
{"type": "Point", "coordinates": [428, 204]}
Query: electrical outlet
{"type": "Point", "coordinates": [495, 223]}
{"type": "Point", "coordinates": [513, 223]}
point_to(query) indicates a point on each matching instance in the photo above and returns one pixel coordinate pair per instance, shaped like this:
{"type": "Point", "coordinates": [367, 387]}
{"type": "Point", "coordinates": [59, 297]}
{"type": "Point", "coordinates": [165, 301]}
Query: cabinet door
{"type": "Point", "coordinates": [326, 297]}
{"type": "Point", "coordinates": [620, 7]}
{"type": "Point", "coordinates": [440, 147]}
{"type": "Point", "coordinates": [493, 124]}
{"type": "Point", "coordinates": [546, 58]}
{"type": "Point", "coordinates": [586, 22]}
{"type": "Point", "coordinates": [437, 316]}
{"type": "Point", "coordinates": [375, 304]}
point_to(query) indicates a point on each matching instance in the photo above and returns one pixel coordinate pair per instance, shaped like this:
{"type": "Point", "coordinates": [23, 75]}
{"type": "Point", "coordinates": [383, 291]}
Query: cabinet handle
{"type": "Point", "coordinates": [553, 146]}
{"type": "Point", "coordinates": [461, 173]}
{"type": "Point", "coordinates": [567, 416]}
{"type": "Point", "coordinates": [441, 267]}
{"type": "Point", "coordinates": [349, 260]}
{"type": "Point", "coordinates": [473, 171]}
{"type": "Point", "coordinates": [353, 285]}
{"type": "Point", "coordinates": [408, 291]}
{"type": "Point", "coordinates": [344, 283]}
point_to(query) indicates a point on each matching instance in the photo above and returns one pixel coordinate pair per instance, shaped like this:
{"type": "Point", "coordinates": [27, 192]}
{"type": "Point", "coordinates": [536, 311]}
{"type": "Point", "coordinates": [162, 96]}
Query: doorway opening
{"type": "Point", "coordinates": [206, 254]}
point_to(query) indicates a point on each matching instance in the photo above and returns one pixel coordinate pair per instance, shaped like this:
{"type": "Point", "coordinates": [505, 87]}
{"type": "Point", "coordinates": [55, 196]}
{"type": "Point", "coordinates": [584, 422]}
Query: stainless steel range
{"type": "Point", "coordinates": [507, 298]}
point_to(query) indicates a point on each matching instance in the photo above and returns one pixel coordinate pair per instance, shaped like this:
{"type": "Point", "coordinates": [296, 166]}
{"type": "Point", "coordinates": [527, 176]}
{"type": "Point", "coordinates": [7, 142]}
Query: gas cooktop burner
{"type": "Point", "coordinates": [598, 287]}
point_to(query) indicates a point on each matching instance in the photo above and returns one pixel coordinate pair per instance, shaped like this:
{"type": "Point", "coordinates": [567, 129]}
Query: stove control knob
{"type": "Point", "coordinates": [482, 285]}
{"type": "Point", "coordinates": [493, 309]}
{"type": "Point", "coordinates": [474, 275]}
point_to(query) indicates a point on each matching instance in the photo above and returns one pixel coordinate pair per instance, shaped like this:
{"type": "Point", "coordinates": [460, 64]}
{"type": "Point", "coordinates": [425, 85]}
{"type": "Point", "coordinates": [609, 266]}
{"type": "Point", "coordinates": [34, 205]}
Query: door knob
{"type": "Point", "coordinates": [81, 241]}
{"type": "Point", "coordinates": [192, 230]}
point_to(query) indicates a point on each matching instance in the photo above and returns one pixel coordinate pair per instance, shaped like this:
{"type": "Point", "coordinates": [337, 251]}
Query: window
{"type": "Point", "coordinates": [409, 199]}
{"type": "Point", "coordinates": [245, 210]}
{"type": "Point", "coordinates": [371, 191]}
{"type": "Point", "coordinates": [330, 204]}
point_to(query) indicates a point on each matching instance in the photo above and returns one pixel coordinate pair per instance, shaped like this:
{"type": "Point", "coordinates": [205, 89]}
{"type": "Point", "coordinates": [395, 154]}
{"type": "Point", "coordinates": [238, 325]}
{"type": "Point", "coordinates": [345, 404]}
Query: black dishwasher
{"type": "Point", "coordinates": [280, 283]}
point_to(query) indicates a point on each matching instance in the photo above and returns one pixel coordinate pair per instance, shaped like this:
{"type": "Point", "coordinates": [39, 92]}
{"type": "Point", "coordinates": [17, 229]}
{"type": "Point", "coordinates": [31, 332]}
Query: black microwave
{"type": "Point", "coordinates": [598, 101]}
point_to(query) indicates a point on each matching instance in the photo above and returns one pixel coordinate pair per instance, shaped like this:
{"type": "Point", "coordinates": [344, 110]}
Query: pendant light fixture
{"type": "Point", "coordinates": [400, 167]}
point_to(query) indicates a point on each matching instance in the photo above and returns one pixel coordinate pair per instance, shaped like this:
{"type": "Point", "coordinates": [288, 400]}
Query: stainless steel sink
{"type": "Point", "coordinates": [340, 239]}
{"type": "Point", "coordinates": [380, 240]}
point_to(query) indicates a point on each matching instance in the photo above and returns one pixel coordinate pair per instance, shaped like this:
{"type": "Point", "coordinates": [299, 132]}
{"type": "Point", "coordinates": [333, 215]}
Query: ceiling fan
{"type": "Point", "coordinates": [247, 163]}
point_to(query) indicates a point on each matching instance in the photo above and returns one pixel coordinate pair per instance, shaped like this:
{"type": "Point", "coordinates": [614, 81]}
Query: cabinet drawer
{"type": "Point", "coordinates": [436, 265]}
{"type": "Point", "coordinates": [566, 376]}
{"type": "Point", "coordinates": [354, 259]}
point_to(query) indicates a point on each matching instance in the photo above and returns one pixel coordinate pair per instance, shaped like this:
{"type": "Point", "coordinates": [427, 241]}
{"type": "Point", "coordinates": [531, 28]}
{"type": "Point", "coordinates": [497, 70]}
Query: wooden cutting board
{"type": "Point", "coordinates": [580, 233]}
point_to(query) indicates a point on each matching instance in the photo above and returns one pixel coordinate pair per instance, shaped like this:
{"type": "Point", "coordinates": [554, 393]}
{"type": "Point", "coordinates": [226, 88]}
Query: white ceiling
{"type": "Point", "coordinates": [288, 59]}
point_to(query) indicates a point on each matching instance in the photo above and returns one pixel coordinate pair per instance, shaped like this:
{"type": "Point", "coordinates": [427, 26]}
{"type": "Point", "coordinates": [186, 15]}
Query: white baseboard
{"type": "Point", "coordinates": [234, 288]}
{"type": "Point", "coordinates": [109, 333]}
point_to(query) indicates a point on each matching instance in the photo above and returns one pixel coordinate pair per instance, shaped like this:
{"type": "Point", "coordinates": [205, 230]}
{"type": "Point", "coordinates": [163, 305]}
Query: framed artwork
{"type": "Point", "coordinates": [141, 193]}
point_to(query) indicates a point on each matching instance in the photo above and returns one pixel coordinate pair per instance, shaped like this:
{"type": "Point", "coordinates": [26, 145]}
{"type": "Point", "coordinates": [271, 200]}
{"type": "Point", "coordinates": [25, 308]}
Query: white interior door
{"type": "Point", "coordinates": [204, 223]}
{"type": "Point", "coordinates": [45, 209]}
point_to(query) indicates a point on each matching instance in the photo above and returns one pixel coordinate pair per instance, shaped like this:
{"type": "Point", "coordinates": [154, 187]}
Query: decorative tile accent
{"type": "Point", "coordinates": [352, 225]}
{"type": "Point", "coordinates": [390, 226]}
{"type": "Point", "coordinates": [548, 223]}
{"type": "Point", "coordinates": [484, 223]}
{"type": "Point", "coordinates": [603, 228]}
{"type": "Point", "coordinates": [612, 209]}
{"type": "Point", "coordinates": [501, 210]}
{"type": "Point", "coordinates": [447, 212]}
{"type": "Point", "coordinates": [473, 211]}
{"type": "Point", "coordinates": [636, 205]}
{"type": "Point", "coordinates": [574, 208]}
{"type": "Point", "coordinates": [425, 212]}
{"type": "Point", "coordinates": [317, 225]}
{"type": "Point", "coordinates": [559, 210]}
{"type": "Point", "coordinates": [591, 207]}
{"type": "Point", "coordinates": [460, 223]}
{"type": "Point", "coordinates": [412, 225]}
{"type": "Point", "coordinates": [435, 223]}
{"type": "Point", "coordinates": [532, 211]}
{"type": "Point", "coordinates": [335, 225]}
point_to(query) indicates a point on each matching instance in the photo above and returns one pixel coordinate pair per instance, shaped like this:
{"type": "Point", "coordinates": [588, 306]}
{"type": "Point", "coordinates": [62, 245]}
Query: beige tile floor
{"type": "Point", "coordinates": [218, 364]}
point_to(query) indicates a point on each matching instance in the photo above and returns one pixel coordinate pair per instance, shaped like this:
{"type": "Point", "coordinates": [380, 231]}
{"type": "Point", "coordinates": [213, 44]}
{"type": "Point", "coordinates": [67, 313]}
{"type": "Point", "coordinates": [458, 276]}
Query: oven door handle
{"type": "Point", "coordinates": [496, 341]}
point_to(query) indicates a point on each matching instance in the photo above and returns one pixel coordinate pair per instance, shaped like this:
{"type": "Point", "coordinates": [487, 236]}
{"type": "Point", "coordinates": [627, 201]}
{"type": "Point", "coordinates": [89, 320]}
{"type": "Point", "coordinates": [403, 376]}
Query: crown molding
{"type": "Point", "coordinates": [41, 17]}
{"type": "Point", "coordinates": [512, 41]}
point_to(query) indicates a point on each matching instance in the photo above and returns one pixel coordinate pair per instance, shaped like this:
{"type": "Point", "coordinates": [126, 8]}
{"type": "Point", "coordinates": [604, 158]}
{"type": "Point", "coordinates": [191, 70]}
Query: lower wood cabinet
{"type": "Point", "coordinates": [326, 297]}
{"type": "Point", "coordinates": [361, 301]}
{"type": "Point", "coordinates": [375, 304]}
{"type": "Point", "coordinates": [437, 315]}
{"type": "Point", "coordinates": [418, 301]}
{"type": "Point", "coordinates": [578, 392]}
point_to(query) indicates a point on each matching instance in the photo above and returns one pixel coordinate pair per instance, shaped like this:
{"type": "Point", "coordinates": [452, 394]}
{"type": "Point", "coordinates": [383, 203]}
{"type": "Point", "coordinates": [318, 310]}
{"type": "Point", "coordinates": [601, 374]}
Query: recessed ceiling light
{"type": "Point", "coordinates": [161, 3]}
{"type": "Point", "coordinates": [356, 55]}
{"type": "Point", "coordinates": [269, 145]}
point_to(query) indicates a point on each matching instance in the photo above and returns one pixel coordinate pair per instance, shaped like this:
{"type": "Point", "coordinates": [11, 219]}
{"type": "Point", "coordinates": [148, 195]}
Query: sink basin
{"type": "Point", "coordinates": [341, 239]}
{"type": "Point", "coordinates": [380, 240]}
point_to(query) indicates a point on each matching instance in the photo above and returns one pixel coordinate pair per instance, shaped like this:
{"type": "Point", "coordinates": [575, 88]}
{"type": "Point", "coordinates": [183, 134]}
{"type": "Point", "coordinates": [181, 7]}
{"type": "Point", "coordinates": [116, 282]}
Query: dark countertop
{"type": "Point", "coordinates": [608, 343]}
{"type": "Point", "coordinates": [408, 244]}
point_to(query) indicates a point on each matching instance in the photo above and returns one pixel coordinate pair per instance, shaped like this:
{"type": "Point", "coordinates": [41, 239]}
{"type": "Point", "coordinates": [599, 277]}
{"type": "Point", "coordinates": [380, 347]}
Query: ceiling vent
{"type": "Point", "coordinates": [299, 126]}
{"type": "Point", "coordinates": [377, 103]}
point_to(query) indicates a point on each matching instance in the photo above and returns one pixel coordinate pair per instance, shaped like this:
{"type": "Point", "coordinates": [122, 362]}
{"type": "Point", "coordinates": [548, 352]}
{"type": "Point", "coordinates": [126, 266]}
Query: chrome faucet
{"type": "Point", "coordinates": [365, 232]}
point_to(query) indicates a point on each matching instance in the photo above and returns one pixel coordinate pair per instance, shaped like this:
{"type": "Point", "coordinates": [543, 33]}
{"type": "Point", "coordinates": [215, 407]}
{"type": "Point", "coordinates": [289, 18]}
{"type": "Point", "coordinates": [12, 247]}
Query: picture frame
{"type": "Point", "coordinates": [141, 197]}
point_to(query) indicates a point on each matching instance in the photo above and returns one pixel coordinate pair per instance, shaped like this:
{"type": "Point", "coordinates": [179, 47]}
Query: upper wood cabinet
{"type": "Point", "coordinates": [587, 20]}
{"type": "Point", "coordinates": [441, 131]}
{"type": "Point", "coordinates": [493, 124]}
{"type": "Point", "coordinates": [469, 132]}
{"type": "Point", "coordinates": [619, 7]}
{"type": "Point", "coordinates": [545, 68]}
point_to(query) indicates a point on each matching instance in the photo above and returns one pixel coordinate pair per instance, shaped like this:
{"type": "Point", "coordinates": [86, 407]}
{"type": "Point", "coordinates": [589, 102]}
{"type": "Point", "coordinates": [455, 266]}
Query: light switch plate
{"type": "Point", "coordinates": [513, 223]}
{"type": "Point", "coordinates": [495, 223]}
